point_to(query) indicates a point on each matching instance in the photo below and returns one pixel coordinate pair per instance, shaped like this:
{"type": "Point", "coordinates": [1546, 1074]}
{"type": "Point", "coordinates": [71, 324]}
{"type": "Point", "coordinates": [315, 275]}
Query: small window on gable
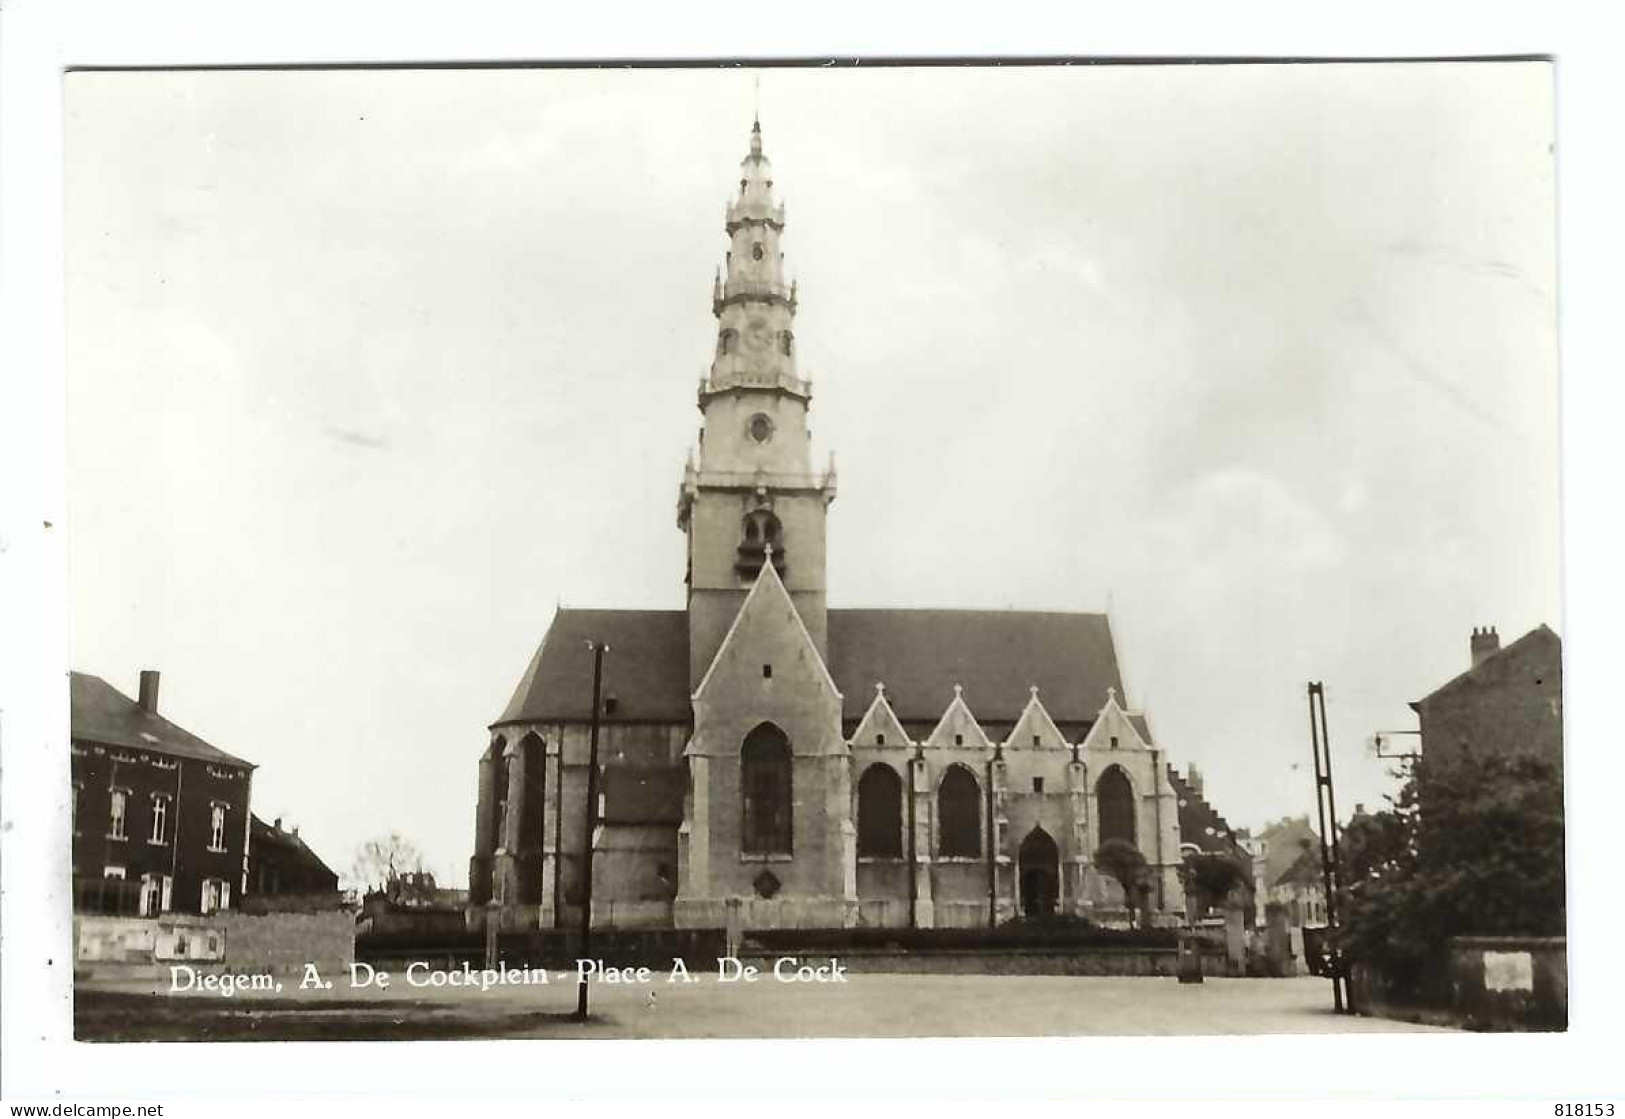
{"type": "Point", "coordinates": [1035, 740]}
{"type": "Point", "coordinates": [767, 672]}
{"type": "Point", "coordinates": [959, 740]}
{"type": "Point", "coordinates": [880, 740]}
{"type": "Point", "coordinates": [1114, 742]}
{"type": "Point", "coordinates": [1038, 784]}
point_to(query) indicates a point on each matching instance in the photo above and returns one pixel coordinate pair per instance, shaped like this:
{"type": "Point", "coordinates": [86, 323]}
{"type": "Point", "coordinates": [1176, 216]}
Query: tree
{"type": "Point", "coordinates": [1210, 877]}
{"type": "Point", "coordinates": [1123, 861]}
{"type": "Point", "coordinates": [1471, 846]}
{"type": "Point", "coordinates": [391, 866]}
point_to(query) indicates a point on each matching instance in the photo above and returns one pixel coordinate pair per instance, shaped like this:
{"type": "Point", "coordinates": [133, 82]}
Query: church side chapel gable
{"type": "Point", "coordinates": [1035, 730]}
{"type": "Point", "coordinates": [958, 729]}
{"type": "Point", "coordinates": [1114, 731]}
{"type": "Point", "coordinates": [880, 727]}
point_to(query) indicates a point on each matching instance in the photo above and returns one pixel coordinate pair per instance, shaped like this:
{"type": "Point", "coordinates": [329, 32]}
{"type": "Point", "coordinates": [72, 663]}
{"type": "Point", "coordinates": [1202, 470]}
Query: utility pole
{"type": "Point", "coordinates": [585, 952]}
{"type": "Point", "coordinates": [992, 843]}
{"type": "Point", "coordinates": [1326, 806]}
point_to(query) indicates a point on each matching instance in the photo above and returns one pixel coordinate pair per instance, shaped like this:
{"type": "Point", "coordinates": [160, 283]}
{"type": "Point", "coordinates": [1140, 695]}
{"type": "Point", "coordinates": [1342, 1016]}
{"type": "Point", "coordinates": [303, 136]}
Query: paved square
{"type": "Point", "coordinates": [869, 1005]}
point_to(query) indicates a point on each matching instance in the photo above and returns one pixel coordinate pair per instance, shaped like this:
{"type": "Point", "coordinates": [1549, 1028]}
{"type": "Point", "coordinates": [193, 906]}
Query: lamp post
{"type": "Point", "coordinates": [598, 650]}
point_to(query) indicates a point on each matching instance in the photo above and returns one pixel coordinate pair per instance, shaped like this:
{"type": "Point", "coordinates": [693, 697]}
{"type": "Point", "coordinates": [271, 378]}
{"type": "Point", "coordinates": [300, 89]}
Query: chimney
{"type": "Point", "coordinates": [277, 824]}
{"type": "Point", "coordinates": [1193, 778]}
{"type": "Point", "coordinates": [1485, 644]}
{"type": "Point", "coordinates": [149, 690]}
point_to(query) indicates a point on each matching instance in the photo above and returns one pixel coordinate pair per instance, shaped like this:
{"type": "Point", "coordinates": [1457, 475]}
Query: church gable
{"type": "Point", "coordinates": [880, 725]}
{"type": "Point", "coordinates": [1035, 729]}
{"type": "Point", "coordinates": [958, 728]}
{"type": "Point", "coordinates": [767, 650]}
{"type": "Point", "coordinates": [1114, 729]}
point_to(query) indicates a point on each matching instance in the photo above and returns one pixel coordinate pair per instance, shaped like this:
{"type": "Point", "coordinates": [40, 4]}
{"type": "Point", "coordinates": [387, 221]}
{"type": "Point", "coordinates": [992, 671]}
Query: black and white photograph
{"type": "Point", "coordinates": [738, 550]}
{"type": "Point", "coordinates": [459, 447]}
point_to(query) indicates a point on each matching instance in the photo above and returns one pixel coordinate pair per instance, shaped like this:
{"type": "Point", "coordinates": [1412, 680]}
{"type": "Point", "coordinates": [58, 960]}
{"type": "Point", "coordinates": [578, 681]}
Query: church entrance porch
{"type": "Point", "coordinates": [1039, 863]}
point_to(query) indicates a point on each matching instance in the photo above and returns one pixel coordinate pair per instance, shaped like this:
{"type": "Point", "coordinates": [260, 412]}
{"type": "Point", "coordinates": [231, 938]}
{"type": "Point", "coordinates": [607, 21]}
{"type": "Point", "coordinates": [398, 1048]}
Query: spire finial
{"type": "Point", "coordinates": [959, 691]}
{"type": "Point", "coordinates": [1032, 690]}
{"type": "Point", "coordinates": [880, 689]}
{"type": "Point", "coordinates": [1111, 694]}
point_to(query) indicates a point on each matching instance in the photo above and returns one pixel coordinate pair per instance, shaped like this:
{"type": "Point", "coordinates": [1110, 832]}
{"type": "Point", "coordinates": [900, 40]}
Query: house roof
{"type": "Point", "coordinates": [1492, 667]}
{"type": "Point", "coordinates": [263, 835]}
{"type": "Point", "coordinates": [997, 655]}
{"type": "Point", "coordinates": [1284, 843]}
{"type": "Point", "coordinates": [1200, 823]}
{"type": "Point", "coordinates": [1304, 871]}
{"type": "Point", "coordinates": [103, 714]}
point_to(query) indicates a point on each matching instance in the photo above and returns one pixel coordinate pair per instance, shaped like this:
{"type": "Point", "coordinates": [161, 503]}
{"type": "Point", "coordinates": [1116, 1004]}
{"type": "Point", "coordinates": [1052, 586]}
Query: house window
{"type": "Point", "coordinates": [160, 819]}
{"type": "Point", "coordinates": [115, 829]}
{"type": "Point", "coordinates": [217, 826]}
{"type": "Point", "coordinates": [880, 813]}
{"type": "Point", "coordinates": [959, 814]}
{"type": "Point", "coordinates": [764, 764]}
{"type": "Point", "coordinates": [155, 894]}
{"type": "Point", "coordinates": [216, 895]}
{"type": "Point", "coordinates": [767, 672]}
{"type": "Point", "coordinates": [113, 872]}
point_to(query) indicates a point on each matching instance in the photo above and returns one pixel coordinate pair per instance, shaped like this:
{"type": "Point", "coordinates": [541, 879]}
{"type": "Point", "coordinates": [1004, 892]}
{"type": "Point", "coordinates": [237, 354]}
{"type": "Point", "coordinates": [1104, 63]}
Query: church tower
{"type": "Point", "coordinates": [749, 491]}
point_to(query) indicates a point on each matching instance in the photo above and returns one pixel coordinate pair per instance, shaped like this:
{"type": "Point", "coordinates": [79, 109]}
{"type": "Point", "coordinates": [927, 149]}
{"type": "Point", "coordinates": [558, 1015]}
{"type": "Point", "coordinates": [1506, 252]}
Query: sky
{"type": "Point", "coordinates": [369, 371]}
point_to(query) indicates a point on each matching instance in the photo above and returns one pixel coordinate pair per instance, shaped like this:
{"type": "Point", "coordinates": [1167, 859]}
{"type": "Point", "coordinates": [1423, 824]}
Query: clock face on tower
{"type": "Point", "coordinates": [758, 335]}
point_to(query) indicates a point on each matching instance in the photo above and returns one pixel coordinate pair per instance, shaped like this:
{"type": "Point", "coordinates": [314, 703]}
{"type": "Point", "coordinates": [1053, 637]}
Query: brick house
{"type": "Point", "coordinates": [281, 864]}
{"type": "Point", "coordinates": [156, 809]}
{"type": "Point", "coordinates": [1509, 700]}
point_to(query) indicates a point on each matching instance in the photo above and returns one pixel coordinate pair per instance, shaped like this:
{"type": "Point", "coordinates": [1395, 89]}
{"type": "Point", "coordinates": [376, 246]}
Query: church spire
{"type": "Point", "coordinates": [754, 306]}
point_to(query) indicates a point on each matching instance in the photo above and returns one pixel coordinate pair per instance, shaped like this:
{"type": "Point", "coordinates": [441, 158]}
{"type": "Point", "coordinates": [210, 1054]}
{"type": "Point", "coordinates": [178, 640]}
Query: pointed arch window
{"type": "Point", "coordinates": [959, 814]}
{"type": "Point", "coordinates": [880, 813]}
{"type": "Point", "coordinates": [499, 790]}
{"type": "Point", "coordinates": [765, 779]}
{"type": "Point", "coordinates": [1114, 798]}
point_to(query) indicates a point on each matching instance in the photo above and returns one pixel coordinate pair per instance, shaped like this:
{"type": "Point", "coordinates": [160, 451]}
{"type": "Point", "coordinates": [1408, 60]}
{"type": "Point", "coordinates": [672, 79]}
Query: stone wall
{"type": "Point", "coordinates": [277, 942]}
{"type": "Point", "coordinates": [1482, 983]}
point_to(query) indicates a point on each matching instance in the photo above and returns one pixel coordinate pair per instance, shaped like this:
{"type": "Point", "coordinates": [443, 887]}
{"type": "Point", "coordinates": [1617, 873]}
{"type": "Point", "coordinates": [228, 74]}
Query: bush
{"type": "Point", "coordinates": [1471, 846]}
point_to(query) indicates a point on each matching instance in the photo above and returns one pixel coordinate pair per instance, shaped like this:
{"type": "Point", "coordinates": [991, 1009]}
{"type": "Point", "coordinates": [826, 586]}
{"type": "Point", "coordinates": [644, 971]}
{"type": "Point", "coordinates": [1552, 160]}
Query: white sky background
{"type": "Point", "coordinates": [367, 370]}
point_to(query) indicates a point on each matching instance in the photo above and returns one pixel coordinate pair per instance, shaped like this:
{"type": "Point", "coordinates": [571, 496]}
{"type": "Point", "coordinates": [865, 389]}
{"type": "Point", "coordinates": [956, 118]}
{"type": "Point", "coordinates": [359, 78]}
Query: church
{"type": "Point", "coordinates": [772, 761]}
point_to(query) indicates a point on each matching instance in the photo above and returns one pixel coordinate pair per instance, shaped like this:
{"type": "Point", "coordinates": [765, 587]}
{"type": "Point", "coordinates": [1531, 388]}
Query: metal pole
{"type": "Point", "coordinates": [1336, 865]}
{"type": "Point", "coordinates": [598, 651]}
{"type": "Point", "coordinates": [1323, 780]}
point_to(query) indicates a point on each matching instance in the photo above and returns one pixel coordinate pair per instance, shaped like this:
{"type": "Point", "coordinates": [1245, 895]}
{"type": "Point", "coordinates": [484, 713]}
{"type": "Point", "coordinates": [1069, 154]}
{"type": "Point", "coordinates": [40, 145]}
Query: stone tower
{"type": "Point", "coordinates": [750, 489]}
{"type": "Point", "coordinates": [767, 824]}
